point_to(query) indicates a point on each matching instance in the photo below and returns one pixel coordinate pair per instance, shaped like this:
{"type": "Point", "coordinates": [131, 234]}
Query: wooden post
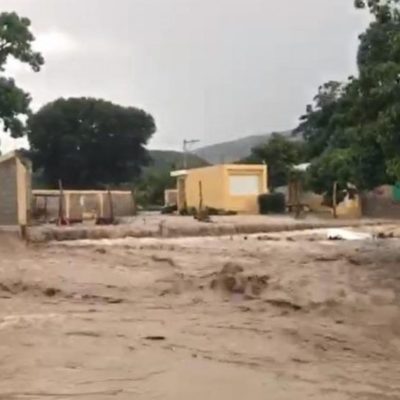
{"type": "Point", "coordinates": [202, 213]}
{"type": "Point", "coordinates": [61, 204]}
{"type": "Point", "coordinates": [200, 196]}
{"type": "Point", "coordinates": [111, 204]}
{"type": "Point", "coordinates": [45, 208]}
{"type": "Point", "coordinates": [134, 204]}
{"type": "Point", "coordinates": [290, 195]}
{"type": "Point", "coordinates": [334, 200]}
{"type": "Point", "coordinates": [23, 232]}
{"type": "Point", "coordinates": [101, 206]}
{"type": "Point", "coordinates": [297, 196]}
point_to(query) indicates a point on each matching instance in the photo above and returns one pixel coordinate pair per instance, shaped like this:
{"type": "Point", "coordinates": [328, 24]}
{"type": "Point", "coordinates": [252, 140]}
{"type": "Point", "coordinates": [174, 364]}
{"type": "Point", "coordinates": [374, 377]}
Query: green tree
{"type": "Point", "coordinates": [355, 135]}
{"type": "Point", "coordinates": [15, 41]}
{"type": "Point", "coordinates": [87, 142]}
{"type": "Point", "coordinates": [315, 125]}
{"type": "Point", "coordinates": [333, 166]}
{"type": "Point", "coordinates": [280, 154]}
{"type": "Point", "coordinates": [152, 185]}
{"type": "Point", "coordinates": [380, 8]}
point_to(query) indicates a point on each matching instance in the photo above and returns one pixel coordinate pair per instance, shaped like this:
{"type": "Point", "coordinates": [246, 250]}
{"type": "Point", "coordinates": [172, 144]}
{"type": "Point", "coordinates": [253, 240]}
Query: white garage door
{"type": "Point", "coordinates": [242, 185]}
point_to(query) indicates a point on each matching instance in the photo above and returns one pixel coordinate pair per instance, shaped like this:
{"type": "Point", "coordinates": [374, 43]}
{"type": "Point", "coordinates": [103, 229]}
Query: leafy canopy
{"type": "Point", "coordinates": [89, 143]}
{"type": "Point", "coordinates": [15, 41]}
{"type": "Point", "coordinates": [352, 130]}
{"type": "Point", "coordinates": [280, 154]}
{"type": "Point", "coordinates": [152, 184]}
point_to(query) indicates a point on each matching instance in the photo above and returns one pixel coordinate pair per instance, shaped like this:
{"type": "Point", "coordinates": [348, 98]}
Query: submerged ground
{"type": "Point", "coordinates": [277, 316]}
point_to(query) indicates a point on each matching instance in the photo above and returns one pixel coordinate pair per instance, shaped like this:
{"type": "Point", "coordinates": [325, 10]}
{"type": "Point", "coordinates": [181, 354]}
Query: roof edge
{"type": "Point", "coordinates": [8, 156]}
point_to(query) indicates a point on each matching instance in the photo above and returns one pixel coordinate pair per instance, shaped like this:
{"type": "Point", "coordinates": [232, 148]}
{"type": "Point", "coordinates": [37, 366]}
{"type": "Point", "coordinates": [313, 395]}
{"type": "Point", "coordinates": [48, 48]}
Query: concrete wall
{"type": "Point", "coordinates": [379, 203]}
{"type": "Point", "coordinates": [8, 192]}
{"type": "Point", "coordinates": [170, 197]}
{"type": "Point", "coordinates": [82, 204]}
{"type": "Point", "coordinates": [15, 190]}
{"type": "Point", "coordinates": [216, 190]}
{"type": "Point", "coordinates": [123, 203]}
{"type": "Point", "coordinates": [313, 201]}
{"type": "Point", "coordinates": [24, 190]}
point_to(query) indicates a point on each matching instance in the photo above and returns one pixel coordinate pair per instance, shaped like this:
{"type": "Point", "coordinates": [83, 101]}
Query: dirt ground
{"type": "Point", "coordinates": [278, 316]}
{"type": "Point", "coordinates": [156, 225]}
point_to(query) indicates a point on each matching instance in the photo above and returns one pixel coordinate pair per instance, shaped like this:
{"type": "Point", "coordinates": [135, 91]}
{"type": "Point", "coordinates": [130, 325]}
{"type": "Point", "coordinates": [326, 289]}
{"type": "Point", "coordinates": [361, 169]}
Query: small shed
{"type": "Point", "coordinates": [228, 187]}
{"type": "Point", "coordinates": [15, 189]}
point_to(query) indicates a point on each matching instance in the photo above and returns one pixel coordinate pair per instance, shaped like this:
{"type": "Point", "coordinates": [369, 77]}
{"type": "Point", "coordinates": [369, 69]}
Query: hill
{"type": "Point", "coordinates": [234, 150]}
{"type": "Point", "coordinates": [169, 159]}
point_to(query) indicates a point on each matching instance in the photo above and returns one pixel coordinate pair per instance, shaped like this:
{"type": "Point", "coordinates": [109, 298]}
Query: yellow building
{"type": "Point", "coordinates": [229, 187]}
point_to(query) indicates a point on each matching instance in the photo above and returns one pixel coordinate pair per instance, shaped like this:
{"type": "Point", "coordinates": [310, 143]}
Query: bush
{"type": "Point", "coordinates": [169, 209]}
{"type": "Point", "coordinates": [273, 203]}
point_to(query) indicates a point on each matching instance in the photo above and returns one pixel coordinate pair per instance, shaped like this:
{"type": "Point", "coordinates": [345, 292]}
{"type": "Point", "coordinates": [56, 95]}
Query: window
{"type": "Point", "coordinates": [243, 185]}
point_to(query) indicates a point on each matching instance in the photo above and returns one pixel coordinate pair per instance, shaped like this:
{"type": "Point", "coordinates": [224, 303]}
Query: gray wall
{"type": "Point", "coordinates": [8, 193]}
{"type": "Point", "coordinates": [122, 202]}
{"type": "Point", "coordinates": [380, 207]}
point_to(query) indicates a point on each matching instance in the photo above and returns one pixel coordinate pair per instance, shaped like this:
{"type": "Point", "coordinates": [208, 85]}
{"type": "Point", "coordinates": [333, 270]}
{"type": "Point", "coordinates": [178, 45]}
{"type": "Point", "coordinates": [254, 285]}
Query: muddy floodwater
{"type": "Point", "coordinates": [280, 317]}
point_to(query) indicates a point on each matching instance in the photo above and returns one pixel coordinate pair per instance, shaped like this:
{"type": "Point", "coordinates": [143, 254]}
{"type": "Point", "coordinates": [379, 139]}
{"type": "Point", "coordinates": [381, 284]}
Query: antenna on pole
{"type": "Point", "coordinates": [186, 144]}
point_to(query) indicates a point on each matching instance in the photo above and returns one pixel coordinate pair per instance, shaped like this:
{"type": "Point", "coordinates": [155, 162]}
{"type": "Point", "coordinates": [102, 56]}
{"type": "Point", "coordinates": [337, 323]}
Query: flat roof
{"type": "Point", "coordinates": [302, 167]}
{"type": "Point", "coordinates": [8, 156]}
{"type": "Point", "coordinates": [181, 172]}
{"type": "Point", "coordinates": [184, 172]}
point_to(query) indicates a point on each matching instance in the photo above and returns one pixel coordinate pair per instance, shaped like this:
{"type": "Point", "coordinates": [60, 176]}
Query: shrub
{"type": "Point", "coordinates": [273, 203]}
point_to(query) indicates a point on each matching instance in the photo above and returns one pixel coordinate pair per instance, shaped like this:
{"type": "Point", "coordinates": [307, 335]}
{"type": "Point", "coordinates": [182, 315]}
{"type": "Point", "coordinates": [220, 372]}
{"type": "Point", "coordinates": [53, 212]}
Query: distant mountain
{"type": "Point", "coordinates": [169, 159]}
{"type": "Point", "coordinates": [234, 150]}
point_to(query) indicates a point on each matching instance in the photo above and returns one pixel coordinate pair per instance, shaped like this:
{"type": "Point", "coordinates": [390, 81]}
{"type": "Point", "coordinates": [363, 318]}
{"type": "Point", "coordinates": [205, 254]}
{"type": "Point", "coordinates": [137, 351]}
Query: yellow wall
{"type": "Point", "coordinates": [216, 191]}
{"type": "Point", "coordinates": [245, 203]}
{"type": "Point", "coordinates": [349, 208]}
{"type": "Point", "coordinates": [212, 179]}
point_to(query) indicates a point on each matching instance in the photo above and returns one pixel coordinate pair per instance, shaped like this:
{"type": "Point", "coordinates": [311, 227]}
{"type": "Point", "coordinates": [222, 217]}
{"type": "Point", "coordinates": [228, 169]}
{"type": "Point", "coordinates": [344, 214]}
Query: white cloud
{"type": "Point", "coordinates": [55, 42]}
{"type": "Point", "coordinates": [51, 43]}
{"type": "Point", "coordinates": [7, 143]}
{"type": "Point", "coordinates": [14, 67]}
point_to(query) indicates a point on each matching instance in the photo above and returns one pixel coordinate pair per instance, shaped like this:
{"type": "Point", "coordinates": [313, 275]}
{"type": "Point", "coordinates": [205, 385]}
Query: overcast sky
{"type": "Point", "coordinates": [212, 70]}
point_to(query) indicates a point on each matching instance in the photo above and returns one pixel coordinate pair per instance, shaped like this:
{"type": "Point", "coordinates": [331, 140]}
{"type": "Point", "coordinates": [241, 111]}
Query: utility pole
{"type": "Point", "coordinates": [186, 144]}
